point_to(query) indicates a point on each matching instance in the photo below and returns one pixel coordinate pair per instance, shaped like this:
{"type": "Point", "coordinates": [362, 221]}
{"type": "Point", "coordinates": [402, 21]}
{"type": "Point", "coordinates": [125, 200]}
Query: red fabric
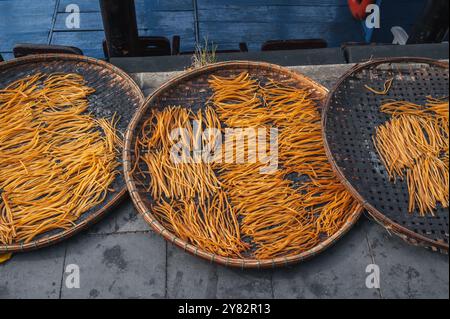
{"type": "Point", "coordinates": [358, 8]}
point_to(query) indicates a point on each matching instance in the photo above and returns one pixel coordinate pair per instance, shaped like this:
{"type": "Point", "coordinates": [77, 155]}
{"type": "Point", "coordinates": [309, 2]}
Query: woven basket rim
{"type": "Point", "coordinates": [146, 213]}
{"type": "Point", "coordinates": [392, 227]}
{"type": "Point", "coordinates": [97, 215]}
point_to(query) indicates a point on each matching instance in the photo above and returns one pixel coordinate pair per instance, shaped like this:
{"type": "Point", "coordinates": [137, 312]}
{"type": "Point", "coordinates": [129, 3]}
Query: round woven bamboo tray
{"type": "Point", "coordinates": [191, 90]}
{"type": "Point", "coordinates": [349, 118]}
{"type": "Point", "coordinates": [115, 92]}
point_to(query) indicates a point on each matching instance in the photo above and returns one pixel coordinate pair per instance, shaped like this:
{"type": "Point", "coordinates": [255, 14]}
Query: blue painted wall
{"type": "Point", "coordinates": [225, 22]}
{"type": "Point", "coordinates": [401, 13]}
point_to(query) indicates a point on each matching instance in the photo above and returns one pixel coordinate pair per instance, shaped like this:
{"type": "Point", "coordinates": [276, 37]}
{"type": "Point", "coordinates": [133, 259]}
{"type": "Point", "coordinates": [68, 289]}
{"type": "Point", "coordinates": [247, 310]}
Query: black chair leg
{"type": "Point", "coordinates": [105, 50]}
{"type": "Point", "coordinates": [176, 42]}
{"type": "Point", "coordinates": [243, 47]}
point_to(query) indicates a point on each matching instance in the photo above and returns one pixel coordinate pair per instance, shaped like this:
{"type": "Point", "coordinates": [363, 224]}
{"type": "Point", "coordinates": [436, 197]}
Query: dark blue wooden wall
{"type": "Point", "coordinates": [224, 22]}
{"type": "Point", "coordinates": [403, 13]}
{"type": "Point", "coordinates": [256, 21]}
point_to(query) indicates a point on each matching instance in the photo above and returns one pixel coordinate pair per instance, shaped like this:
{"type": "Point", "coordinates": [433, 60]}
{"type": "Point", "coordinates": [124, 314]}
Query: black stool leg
{"type": "Point", "coordinates": [119, 22]}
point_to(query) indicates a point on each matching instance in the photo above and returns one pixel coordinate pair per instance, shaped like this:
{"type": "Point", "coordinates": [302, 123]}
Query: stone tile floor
{"type": "Point", "coordinates": [121, 258]}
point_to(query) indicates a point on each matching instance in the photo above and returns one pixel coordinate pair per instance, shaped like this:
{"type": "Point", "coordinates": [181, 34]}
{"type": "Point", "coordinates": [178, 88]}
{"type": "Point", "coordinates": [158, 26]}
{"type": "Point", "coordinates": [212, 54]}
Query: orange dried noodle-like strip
{"type": "Point", "coordinates": [415, 142]}
{"type": "Point", "coordinates": [179, 180]}
{"type": "Point", "coordinates": [428, 184]}
{"type": "Point", "coordinates": [439, 107]}
{"type": "Point", "coordinates": [387, 87]}
{"type": "Point", "coordinates": [211, 225]}
{"type": "Point", "coordinates": [236, 101]}
{"type": "Point", "coordinates": [188, 198]}
{"type": "Point", "coordinates": [404, 139]}
{"type": "Point", "coordinates": [56, 161]}
{"type": "Point", "coordinates": [280, 219]}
